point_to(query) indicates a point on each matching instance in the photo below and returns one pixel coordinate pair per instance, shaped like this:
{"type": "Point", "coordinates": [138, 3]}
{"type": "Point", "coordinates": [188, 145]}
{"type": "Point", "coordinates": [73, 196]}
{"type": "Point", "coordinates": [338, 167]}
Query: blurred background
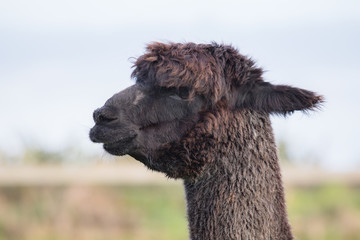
{"type": "Point", "coordinates": [60, 60]}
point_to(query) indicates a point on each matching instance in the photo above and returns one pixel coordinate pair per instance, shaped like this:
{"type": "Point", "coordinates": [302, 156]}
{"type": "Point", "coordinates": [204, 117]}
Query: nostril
{"type": "Point", "coordinates": [103, 116]}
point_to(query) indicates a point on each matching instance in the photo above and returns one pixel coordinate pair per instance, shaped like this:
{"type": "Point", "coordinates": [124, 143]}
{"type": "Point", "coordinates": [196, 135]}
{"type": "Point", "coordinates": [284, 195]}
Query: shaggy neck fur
{"type": "Point", "coordinates": [238, 194]}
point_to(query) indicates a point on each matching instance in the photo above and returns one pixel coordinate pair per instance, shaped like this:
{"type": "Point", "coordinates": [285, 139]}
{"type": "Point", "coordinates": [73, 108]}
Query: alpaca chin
{"type": "Point", "coordinates": [121, 147]}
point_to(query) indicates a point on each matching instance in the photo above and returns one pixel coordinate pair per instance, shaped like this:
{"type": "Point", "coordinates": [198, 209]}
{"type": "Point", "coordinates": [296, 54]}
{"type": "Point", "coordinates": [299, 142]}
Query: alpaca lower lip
{"type": "Point", "coordinates": [120, 141]}
{"type": "Point", "coordinates": [119, 147]}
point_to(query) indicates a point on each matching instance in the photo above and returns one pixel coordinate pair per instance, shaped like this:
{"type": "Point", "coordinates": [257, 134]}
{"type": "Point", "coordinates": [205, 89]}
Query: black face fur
{"type": "Point", "coordinates": [140, 119]}
{"type": "Point", "coordinates": [176, 84]}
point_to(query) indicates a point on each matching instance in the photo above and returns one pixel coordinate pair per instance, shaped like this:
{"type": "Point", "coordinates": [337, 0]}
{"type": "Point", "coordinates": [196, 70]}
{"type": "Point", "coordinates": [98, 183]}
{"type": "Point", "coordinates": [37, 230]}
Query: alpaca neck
{"type": "Point", "coordinates": [240, 194]}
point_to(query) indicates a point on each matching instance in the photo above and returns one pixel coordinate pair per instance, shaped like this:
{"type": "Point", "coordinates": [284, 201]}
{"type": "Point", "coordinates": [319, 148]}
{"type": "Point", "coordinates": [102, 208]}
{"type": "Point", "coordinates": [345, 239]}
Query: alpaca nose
{"type": "Point", "coordinates": [104, 115]}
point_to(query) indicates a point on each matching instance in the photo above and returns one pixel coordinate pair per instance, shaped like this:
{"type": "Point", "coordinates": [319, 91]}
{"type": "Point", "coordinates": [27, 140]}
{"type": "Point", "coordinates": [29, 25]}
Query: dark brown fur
{"type": "Point", "coordinates": [200, 112]}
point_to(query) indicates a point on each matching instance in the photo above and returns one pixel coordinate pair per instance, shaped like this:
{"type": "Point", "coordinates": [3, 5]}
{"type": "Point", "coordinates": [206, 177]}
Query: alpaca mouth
{"type": "Point", "coordinates": [120, 147]}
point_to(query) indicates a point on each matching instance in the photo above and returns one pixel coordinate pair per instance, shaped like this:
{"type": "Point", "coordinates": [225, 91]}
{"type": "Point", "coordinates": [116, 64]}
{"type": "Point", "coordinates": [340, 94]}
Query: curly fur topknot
{"type": "Point", "coordinates": [207, 69]}
{"type": "Point", "coordinates": [214, 71]}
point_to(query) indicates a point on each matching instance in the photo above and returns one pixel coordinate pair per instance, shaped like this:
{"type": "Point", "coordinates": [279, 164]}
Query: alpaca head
{"type": "Point", "coordinates": [176, 86]}
{"type": "Point", "coordinates": [141, 118]}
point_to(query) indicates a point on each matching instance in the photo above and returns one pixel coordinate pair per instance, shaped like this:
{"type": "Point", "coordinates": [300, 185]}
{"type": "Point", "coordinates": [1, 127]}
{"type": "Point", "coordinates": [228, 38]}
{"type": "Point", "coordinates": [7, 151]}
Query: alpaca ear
{"type": "Point", "coordinates": [277, 99]}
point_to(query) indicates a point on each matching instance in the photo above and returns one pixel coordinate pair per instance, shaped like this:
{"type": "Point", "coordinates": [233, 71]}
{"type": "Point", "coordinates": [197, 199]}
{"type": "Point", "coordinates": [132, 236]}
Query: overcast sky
{"type": "Point", "coordinates": [59, 60]}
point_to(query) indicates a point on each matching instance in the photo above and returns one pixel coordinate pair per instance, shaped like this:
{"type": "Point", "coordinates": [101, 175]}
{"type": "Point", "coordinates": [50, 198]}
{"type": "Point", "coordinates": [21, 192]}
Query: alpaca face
{"type": "Point", "coordinates": [141, 118]}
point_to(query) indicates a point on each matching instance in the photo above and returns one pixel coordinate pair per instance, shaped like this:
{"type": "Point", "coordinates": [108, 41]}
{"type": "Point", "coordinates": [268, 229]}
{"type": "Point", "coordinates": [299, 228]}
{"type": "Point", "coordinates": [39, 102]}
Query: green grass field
{"type": "Point", "coordinates": [155, 212]}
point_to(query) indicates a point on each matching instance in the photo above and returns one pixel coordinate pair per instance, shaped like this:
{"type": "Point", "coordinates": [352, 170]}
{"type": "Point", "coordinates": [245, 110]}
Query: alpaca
{"type": "Point", "coordinates": [200, 112]}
